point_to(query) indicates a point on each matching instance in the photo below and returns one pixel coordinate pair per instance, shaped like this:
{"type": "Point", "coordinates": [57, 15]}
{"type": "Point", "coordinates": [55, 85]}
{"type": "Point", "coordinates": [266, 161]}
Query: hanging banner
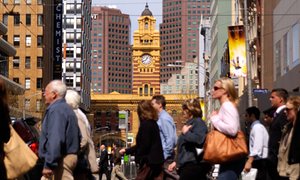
{"type": "Point", "coordinates": [237, 51]}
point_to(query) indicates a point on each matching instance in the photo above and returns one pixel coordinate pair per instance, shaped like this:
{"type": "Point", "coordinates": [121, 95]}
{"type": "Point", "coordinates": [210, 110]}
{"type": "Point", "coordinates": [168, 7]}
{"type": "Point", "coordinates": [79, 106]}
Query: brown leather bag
{"type": "Point", "coordinates": [19, 158]}
{"type": "Point", "coordinates": [220, 148]}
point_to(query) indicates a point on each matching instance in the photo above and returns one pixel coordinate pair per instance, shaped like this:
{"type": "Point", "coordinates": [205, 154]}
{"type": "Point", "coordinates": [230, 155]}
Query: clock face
{"type": "Point", "coordinates": [146, 59]}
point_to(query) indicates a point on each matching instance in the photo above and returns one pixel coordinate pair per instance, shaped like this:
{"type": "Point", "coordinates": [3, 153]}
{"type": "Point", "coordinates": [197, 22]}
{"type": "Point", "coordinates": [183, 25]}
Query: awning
{"type": "Point", "coordinates": [16, 88]}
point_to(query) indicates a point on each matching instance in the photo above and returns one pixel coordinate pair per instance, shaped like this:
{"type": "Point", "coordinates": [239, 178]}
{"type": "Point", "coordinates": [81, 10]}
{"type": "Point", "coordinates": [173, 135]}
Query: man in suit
{"type": "Point", "coordinates": [278, 100]}
{"type": "Point", "coordinates": [103, 163]}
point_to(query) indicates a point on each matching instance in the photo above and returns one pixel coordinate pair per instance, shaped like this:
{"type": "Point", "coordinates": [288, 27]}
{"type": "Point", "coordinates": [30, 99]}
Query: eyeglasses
{"type": "Point", "coordinates": [217, 88]}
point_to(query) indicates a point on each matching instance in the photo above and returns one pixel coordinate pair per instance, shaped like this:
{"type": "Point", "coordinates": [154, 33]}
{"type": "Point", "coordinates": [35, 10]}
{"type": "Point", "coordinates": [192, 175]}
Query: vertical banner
{"type": "Point", "coordinates": [57, 41]}
{"type": "Point", "coordinates": [237, 51]}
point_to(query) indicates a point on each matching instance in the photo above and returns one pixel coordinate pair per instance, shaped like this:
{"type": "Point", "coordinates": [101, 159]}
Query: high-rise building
{"type": "Point", "coordinates": [111, 51]}
{"type": "Point", "coordinates": [67, 45]}
{"type": "Point", "coordinates": [179, 34]}
{"type": "Point", "coordinates": [24, 20]}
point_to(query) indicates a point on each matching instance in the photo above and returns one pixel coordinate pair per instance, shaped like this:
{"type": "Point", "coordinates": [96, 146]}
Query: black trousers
{"type": "Point", "coordinates": [194, 171]}
{"type": "Point", "coordinates": [105, 171]}
{"type": "Point", "coordinates": [261, 166]}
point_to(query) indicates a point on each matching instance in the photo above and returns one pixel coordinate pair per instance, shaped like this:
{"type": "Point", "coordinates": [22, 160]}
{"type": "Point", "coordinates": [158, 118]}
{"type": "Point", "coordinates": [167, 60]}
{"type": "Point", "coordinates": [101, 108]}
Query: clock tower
{"type": "Point", "coordinates": [146, 56]}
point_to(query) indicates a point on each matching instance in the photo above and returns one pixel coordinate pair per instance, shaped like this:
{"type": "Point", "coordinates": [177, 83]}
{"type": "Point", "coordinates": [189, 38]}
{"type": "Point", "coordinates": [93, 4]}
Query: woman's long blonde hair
{"type": "Point", "coordinates": [228, 85]}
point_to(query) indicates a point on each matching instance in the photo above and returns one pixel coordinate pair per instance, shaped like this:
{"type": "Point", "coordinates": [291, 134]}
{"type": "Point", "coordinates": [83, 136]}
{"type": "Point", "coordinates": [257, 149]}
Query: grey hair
{"type": "Point", "coordinates": [73, 98]}
{"type": "Point", "coordinates": [59, 87]}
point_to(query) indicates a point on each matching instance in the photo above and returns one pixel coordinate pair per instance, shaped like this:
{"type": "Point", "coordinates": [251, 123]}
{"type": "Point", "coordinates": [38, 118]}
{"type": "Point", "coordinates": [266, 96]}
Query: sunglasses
{"type": "Point", "coordinates": [217, 88]}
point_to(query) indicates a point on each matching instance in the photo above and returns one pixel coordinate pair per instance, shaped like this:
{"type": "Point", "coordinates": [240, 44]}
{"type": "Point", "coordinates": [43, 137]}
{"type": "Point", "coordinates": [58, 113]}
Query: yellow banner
{"type": "Point", "coordinates": [237, 51]}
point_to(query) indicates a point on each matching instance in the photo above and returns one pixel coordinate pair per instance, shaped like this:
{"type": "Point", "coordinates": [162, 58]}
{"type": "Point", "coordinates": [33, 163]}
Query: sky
{"type": "Point", "coordinates": [135, 8]}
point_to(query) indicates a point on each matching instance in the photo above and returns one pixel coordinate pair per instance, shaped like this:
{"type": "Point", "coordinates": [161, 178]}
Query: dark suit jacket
{"type": "Point", "coordinates": [148, 148]}
{"type": "Point", "coordinates": [275, 135]}
{"type": "Point", "coordinates": [103, 164]}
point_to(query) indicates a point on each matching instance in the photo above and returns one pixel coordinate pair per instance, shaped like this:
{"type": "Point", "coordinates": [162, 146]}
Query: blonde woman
{"type": "Point", "coordinates": [226, 120]}
{"type": "Point", "coordinates": [87, 149]}
{"type": "Point", "coordinates": [288, 156]}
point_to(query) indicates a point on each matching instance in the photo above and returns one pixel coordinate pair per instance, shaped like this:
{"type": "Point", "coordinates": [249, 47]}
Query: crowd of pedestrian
{"type": "Point", "coordinates": [68, 152]}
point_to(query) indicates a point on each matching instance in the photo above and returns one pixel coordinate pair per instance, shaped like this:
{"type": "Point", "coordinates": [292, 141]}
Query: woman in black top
{"type": "Point", "coordinates": [4, 126]}
{"type": "Point", "coordinates": [148, 149]}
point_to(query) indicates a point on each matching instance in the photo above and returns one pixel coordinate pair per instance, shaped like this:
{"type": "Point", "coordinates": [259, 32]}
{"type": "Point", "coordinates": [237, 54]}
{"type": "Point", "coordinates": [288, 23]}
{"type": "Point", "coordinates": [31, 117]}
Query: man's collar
{"type": "Point", "coordinates": [280, 108]}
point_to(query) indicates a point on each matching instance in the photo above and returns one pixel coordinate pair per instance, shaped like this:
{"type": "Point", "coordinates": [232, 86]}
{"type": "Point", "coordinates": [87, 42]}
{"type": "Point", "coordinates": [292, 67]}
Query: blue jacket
{"type": "Point", "coordinates": [60, 133]}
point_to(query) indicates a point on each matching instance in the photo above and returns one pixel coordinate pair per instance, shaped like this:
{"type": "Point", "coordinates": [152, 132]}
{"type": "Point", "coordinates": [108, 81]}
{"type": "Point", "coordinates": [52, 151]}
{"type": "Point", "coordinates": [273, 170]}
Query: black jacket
{"type": "Point", "coordinates": [275, 132]}
{"type": "Point", "coordinates": [103, 163]}
{"type": "Point", "coordinates": [148, 148]}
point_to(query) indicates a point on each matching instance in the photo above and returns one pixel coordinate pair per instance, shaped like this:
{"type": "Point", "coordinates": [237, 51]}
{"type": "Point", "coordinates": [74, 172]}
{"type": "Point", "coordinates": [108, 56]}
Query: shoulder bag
{"type": "Point", "coordinates": [220, 148]}
{"type": "Point", "coordinates": [19, 158]}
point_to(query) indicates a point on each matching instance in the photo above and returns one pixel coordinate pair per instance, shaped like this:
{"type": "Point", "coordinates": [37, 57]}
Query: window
{"type": "Point", "coordinates": [39, 40]}
{"type": "Point", "coordinates": [70, 8]}
{"type": "Point", "coordinates": [17, 19]}
{"type": "Point", "coordinates": [16, 40]}
{"type": "Point", "coordinates": [5, 19]}
{"type": "Point", "coordinates": [17, 1]}
{"type": "Point", "coordinates": [16, 80]}
{"type": "Point", "coordinates": [39, 1]}
{"type": "Point", "coordinates": [39, 19]}
{"type": "Point", "coordinates": [27, 104]}
{"type": "Point", "coordinates": [39, 63]}
{"type": "Point", "coordinates": [5, 1]}
{"type": "Point", "coordinates": [27, 83]}
{"type": "Point", "coordinates": [39, 82]}
{"type": "Point", "coordinates": [28, 40]}
{"type": "Point", "coordinates": [28, 1]}
{"type": "Point", "coordinates": [16, 62]}
{"type": "Point", "coordinates": [295, 43]}
{"type": "Point", "coordinates": [27, 62]}
{"type": "Point", "coordinates": [38, 105]}
{"type": "Point", "coordinates": [28, 19]}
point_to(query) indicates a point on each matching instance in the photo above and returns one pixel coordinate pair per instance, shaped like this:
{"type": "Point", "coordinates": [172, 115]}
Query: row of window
{"type": "Point", "coordinates": [117, 85]}
{"type": "Point", "coordinates": [38, 105]}
{"type": "Point", "coordinates": [120, 64]}
{"type": "Point", "coordinates": [28, 40]}
{"type": "Point", "coordinates": [72, 8]}
{"type": "Point", "coordinates": [174, 36]}
{"type": "Point", "coordinates": [117, 31]}
{"type": "Point", "coordinates": [28, 17]}
{"type": "Point", "coordinates": [39, 82]}
{"type": "Point", "coordinates": [118, 75]}
{"type": "Point", "coordinates": [27, 64]}
{"type": "Point", "coordinates": [194, 6]}
{"type": "Point", "coordinates": [118, 36]}
{"type": "Point", "coordinates": [118, 25]}
{"type": "Point", "coordinates": [40, 2]}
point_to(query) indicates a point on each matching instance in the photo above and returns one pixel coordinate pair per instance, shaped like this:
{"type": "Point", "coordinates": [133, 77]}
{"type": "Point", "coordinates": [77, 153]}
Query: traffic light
{"type": "Point", "coordinates": [6, 49]}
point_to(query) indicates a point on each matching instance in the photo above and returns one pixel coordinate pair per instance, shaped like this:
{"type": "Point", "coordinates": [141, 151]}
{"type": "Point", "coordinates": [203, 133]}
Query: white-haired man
{"type": "Point", "coordinates": [60, 136]}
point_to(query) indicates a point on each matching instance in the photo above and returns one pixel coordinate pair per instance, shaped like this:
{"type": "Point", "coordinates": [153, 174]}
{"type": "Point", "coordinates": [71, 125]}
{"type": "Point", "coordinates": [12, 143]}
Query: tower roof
{"type": "Point", "coordinates": [146, 11]}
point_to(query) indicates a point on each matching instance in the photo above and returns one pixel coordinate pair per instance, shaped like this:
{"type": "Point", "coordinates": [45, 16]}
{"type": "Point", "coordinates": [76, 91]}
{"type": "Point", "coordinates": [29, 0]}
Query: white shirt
{"type": "Point", "coordinates": [258, 141]}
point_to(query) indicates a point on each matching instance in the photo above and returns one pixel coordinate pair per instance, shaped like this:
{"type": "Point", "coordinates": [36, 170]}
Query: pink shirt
{"type": "Point", "coordinates": [227, 120]}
